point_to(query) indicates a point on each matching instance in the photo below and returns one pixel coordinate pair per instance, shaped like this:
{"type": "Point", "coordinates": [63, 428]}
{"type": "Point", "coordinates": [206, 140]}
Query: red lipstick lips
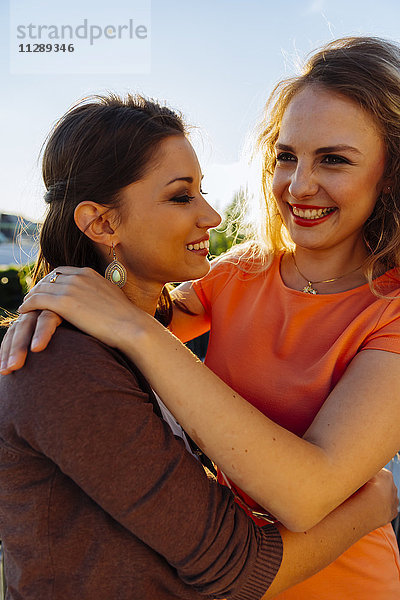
{"type": "Point", "coordinates": [307, 222]}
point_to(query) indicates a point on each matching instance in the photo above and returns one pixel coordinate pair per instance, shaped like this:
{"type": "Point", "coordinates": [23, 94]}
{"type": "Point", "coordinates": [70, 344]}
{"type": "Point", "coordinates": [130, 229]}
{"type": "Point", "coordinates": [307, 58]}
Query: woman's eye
{"type": "Point", "coordinates": [334, 159]}
{"type": "Point", "coordinates": [184, 199]}
{"type": "Point", "coordinates": [203, 193]}
{"type": "Point", "coordinates": [285, 157]}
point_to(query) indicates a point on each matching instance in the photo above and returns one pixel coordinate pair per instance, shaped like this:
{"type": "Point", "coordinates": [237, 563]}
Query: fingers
{"type": "Point", "coordinates": [50, 284]}
{"type": "Point", "coordinates": [69, 271]}
{"type": "Point", "coordinates": [46, 325]}
{"type": "Point", "coordinates": [5, 351]}
{"type": "Point", "coordinates": [32, 329]}
{"type": "Point", "coordinates": [51, 280]}
{"type": "Point", "coordinates": [42, 300]}
{"type": "Point", "coordinates": [16, 342]}
{"type": "Point", "coordinates": [43, 297]}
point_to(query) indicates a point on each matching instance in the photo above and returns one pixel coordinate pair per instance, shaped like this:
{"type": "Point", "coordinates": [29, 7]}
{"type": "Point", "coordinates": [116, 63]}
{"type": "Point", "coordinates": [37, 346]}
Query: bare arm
{"type": "Point", "coordinates": [34, 330]}
{"type": "Point", "coordinates": [304, 554]}
{"type": "Point", "coordinates": [189, 319]}
{"type": "Point", "coordinates": [298, 480]}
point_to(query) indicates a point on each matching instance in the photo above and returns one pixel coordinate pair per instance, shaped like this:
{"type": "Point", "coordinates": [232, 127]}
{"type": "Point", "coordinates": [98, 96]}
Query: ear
{"type": "Point", "coordinates": [95, 221]}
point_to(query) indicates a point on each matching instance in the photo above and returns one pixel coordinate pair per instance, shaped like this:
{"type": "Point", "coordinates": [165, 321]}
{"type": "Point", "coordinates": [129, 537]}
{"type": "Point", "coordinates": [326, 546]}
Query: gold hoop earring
{"type": "Point", "coordinates": [116, 272]}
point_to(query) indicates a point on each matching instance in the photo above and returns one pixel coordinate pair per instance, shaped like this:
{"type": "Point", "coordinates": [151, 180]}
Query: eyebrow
{"type": "Point", "coordinates": [187, 179]}
{"type": "Point", "coordinates": [323, 149]}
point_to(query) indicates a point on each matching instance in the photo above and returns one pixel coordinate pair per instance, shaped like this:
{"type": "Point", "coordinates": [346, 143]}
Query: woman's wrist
{"type": "Point", "coordinates": [136, 333]}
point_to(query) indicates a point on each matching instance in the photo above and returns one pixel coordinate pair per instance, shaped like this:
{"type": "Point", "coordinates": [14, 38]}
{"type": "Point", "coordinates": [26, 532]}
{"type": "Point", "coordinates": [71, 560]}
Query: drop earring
{"type": "Point", "coordinates": [116, 272]}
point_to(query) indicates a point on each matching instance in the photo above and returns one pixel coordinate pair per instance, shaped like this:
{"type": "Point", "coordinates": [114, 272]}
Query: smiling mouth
{"type": "Point", "coordinates": [311, 214]}
{"type": "Point", "coordinates": [204, 245]}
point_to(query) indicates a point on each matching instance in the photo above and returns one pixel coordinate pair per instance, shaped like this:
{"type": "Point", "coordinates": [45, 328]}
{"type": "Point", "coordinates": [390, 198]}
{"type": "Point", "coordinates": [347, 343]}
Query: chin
{"type": "Point", "coordinates": [306, 240]}
{"type": "Point", "coordinates": [195, 273]}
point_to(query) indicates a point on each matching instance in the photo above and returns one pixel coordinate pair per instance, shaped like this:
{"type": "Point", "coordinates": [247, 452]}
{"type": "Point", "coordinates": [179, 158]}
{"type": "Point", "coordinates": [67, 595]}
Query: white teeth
{"type": "Point", "coordinates": [205, 244]}
{"type": "Point", "coordinates": [312, 213]}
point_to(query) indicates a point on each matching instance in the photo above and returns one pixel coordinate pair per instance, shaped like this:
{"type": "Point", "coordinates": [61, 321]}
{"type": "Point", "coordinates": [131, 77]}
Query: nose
{"type": "Point", "coordinates": [207, 216]}
{"type": "Point", "coordinates": [302, 182]}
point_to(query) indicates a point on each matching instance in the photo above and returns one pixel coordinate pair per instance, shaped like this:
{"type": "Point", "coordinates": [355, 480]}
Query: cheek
{"type": "Point", "coordinates": [278, 187]}
{"type": "Point", "coordinates": [374, 172]}
{"type": "Point", "coordinates": [370, 188]}
{"type": "Point", "coordinates": [275, 185]}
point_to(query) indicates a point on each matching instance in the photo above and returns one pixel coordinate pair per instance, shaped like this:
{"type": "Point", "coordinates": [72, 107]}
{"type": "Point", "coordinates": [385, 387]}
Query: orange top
{"type": "Point", "coordinates": [284, 351]}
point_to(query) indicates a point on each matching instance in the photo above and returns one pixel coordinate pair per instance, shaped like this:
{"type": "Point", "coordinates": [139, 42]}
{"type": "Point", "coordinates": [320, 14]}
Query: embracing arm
{"type": "Point", "coordinates": [36, 328]}
{"type": "Point", "coordinates": [299, 480]}
{"type": "Point", "coordinates": [189, 318]}
{"type": "Point", "coordinates": [304, 554]}
{"type": "Point", "coordinates": [157, 486]}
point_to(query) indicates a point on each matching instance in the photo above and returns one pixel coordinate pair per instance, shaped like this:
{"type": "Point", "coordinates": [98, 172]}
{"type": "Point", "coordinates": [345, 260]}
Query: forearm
{"type": "Point", "coordinates": [230, 430]}
{"type": "Point", "coordinates": [304, 554]}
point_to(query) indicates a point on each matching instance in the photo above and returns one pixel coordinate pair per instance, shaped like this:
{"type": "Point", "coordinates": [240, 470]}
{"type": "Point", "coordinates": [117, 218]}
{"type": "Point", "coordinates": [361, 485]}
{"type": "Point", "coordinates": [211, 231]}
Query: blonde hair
{"type": "Point", "coordinates": [366, 70]}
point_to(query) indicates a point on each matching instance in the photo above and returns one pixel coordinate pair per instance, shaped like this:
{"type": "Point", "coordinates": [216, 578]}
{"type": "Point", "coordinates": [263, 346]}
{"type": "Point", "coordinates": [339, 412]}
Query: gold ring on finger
{"type": "Point", "coordinates": [53, 279]}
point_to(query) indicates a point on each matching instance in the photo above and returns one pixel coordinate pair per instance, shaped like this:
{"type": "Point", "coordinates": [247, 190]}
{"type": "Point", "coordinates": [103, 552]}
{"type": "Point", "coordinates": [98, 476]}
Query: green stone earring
{"type": "Point", "coordinates": [116, 272]}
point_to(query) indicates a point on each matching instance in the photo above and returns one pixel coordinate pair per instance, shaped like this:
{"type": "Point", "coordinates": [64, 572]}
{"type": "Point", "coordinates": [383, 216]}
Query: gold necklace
{"type": "Point", "coordinates": [308, 289]}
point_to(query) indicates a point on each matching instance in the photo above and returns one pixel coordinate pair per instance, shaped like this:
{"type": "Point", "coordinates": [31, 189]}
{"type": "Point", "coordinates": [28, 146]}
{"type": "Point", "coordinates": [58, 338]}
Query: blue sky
{"type": "Point", "coordinates": [216, 60]}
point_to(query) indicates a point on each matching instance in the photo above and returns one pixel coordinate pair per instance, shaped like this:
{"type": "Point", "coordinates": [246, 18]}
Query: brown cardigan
{"type": "Point", "coordinates": [98, 499]}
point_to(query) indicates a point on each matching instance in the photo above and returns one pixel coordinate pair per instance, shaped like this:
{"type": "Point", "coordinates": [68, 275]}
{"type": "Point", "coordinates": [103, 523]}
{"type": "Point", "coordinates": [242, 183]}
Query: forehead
{"type": "Point", "coordinates": [175, 158]}
{"type": "Point", "coordinates": [327, 118]}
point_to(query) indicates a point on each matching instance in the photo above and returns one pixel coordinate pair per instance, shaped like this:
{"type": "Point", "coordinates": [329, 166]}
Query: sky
{"type": "Point", "coordinates": [214, 60]}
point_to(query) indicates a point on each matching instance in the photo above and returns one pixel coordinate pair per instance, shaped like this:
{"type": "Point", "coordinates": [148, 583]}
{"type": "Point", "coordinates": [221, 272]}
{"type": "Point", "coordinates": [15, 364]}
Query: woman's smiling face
{"type": "Point", "coordinates": [163, 235]}
{"type": "Point", "coordinates": [329, 169]}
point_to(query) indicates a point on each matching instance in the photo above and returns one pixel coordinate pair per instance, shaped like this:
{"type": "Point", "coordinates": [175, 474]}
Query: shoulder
{"type": "Point", "coordinates": [387, 306]}
{"type": "Point", "coordinates": [386, 294]}
{"type": "Point", "coordinates": [382, 318]}
{"type": "Point", "coordinates": [387, 286]}
{"type": "Point", "coordinates": [244, 263]}
{"type": "Point", "coordinates": [76, 385]}
{"type": "Point", "coordinates": [243, 259]}
{"type": "Point", "coordinates": [73, 362]}
{"type": "Point", "coordinates": [71, 343]}
{"type": "Point", "coordinates": [71, 347]}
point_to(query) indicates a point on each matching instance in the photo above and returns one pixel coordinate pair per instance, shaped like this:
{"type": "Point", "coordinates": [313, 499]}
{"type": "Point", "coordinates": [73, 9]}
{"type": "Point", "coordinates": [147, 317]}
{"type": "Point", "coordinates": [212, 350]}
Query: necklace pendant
{"type": "Point", "coordinates": [308, 289]}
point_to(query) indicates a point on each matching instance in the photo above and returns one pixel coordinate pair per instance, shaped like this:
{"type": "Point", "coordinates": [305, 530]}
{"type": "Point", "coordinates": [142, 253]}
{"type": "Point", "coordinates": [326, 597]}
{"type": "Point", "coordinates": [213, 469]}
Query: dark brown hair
{"type": "Point", "coordinates": [98, 147]}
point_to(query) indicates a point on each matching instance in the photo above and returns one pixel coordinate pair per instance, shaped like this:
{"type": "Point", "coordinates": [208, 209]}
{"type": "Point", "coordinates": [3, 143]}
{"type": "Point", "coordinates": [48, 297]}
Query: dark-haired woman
{"type": "Point", "coordinates": [307, 330]}
{"type": "Point", "coordinates": [98, 497]}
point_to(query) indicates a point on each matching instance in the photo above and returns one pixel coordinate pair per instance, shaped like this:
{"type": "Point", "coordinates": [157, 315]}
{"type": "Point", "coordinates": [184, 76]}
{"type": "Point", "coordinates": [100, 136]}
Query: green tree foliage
{"type": "Point", "coordinates": [14, 284]}
{"type": "Point", "coordinates": [13, 287]}
{"type": "Point", "coordinates": [232, 229]}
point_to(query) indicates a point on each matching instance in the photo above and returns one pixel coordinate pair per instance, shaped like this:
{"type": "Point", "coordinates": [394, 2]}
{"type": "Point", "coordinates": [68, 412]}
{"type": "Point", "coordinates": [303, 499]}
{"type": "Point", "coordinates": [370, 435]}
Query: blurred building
{"type": "Point", "coordinates": [13, 226]}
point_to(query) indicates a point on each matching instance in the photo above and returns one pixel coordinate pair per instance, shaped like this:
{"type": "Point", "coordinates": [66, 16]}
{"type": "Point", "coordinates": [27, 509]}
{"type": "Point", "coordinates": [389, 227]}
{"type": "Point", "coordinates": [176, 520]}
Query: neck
{"type": "Point", "coordinates": [329, 263]}
{"type": "Point", "coordinates": [144, 296]}
{"type": "Point", "coordinates": [339, 264]}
